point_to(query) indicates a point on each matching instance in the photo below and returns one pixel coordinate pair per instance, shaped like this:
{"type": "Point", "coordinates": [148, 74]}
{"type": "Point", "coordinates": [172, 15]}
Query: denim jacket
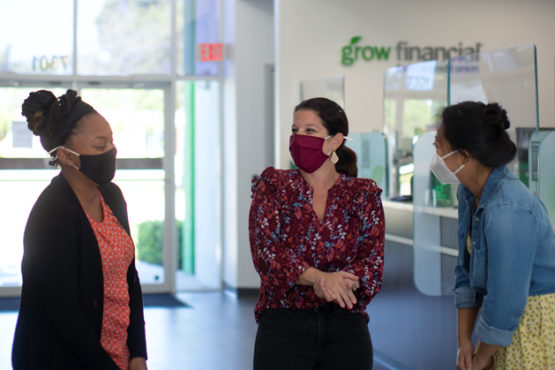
{"type": "Point", "coordinates": [513, 254]}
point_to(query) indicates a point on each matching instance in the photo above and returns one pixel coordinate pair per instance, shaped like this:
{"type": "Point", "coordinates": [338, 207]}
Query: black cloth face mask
{"type": "Point", "coordinates": [100, 168]}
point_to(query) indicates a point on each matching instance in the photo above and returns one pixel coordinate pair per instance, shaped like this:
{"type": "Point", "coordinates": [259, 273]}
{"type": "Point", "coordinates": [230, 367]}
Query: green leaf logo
{"type": "Point", "coordinates": [355, 39]}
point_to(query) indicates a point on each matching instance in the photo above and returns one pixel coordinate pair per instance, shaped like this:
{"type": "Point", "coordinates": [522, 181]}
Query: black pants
{"type": "Point", "coordinates": [328, 338]}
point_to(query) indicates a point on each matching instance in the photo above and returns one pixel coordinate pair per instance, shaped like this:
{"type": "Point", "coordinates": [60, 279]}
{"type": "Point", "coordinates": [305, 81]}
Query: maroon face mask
{"type": "Point", "coordinates": [307, 152]}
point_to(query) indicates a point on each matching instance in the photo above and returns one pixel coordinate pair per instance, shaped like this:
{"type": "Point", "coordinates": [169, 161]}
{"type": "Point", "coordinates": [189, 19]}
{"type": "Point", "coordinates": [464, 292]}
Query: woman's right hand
{"type": "Point", "coordinates": [337, 287]}
{"type": "Point", "coordinates": [464, 355]}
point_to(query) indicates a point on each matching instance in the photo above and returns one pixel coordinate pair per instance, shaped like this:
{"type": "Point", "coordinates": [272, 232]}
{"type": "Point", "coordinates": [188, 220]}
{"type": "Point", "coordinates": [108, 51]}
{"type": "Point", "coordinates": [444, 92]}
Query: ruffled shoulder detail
{"type": "Point", "coordinates": [270, 179]}
{"type": "Point", "coordinates": [364, 189]}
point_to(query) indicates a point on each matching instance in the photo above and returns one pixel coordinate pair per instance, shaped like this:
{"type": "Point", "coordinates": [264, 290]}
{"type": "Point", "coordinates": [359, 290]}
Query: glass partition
{"type": "Point", "coordinates": [413, 95]}
{"type": "Point", "coordinates": [427, 233]}
{"type": "Point", "coordinates": [508, 77]}
{"type": "Point", "coordinates": [542, 173]}
{"type": "Point", "coordinates": [371, 150]}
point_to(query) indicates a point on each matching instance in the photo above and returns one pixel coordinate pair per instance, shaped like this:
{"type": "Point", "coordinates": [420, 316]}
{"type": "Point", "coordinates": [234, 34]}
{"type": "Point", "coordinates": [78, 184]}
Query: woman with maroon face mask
{"type": "Point", "coordinates": [317, 239]}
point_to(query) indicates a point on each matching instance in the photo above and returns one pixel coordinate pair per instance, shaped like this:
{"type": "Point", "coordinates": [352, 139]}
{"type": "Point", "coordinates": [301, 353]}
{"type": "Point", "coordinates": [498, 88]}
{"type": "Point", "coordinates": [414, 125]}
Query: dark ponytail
{"type": "Point", "coordinates": [335, 121]}
{"type": "Point", "coordinates": [481, 130]}
{"type": "Point", "coordinates": [347, 161]}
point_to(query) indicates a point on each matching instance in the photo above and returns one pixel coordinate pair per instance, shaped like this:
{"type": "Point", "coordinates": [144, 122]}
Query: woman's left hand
{"type": "Point", "coordinates": [137, 363]}
{"type": "Point", "coordinates": [337, 287]}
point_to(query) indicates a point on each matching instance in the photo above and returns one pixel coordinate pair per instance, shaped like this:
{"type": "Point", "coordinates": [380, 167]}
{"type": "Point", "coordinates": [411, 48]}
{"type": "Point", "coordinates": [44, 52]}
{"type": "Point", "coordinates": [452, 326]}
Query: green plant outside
{"type": "Point", "coordinates": [150, 240]}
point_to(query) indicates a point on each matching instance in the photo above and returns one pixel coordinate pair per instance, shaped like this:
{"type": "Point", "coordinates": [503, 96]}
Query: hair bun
{"type": "Point", "coordinates": [36, 107]}
{"type": "Point", "coordinates": [496, 117]}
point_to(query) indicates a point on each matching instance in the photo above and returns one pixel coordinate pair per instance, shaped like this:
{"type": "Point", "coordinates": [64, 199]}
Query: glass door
{"type": "Point", "coordinates": [24, 173]}
{"type": "Point", "coordinates": [138, 117]}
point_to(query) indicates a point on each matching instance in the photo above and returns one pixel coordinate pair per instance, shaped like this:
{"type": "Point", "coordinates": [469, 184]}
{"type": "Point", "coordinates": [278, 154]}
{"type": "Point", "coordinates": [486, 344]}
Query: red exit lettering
{"type": "Point", "coordinates": [211, 52]}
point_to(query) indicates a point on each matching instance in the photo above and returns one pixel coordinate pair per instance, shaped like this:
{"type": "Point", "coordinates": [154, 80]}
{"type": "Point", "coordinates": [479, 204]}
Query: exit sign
{"type": "Point", "coordinates": [211, 52]}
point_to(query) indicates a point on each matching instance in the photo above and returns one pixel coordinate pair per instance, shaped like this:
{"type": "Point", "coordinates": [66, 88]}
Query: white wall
{"type": "Point", "coordinates": [249, 28]}
{"type": "Point", "coordinates": [311, 33]}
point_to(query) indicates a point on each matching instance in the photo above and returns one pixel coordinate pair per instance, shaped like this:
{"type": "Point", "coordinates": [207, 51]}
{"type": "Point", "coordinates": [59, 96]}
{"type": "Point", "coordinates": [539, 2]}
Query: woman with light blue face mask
{"type": "Point", "coordinates": [506, 263]}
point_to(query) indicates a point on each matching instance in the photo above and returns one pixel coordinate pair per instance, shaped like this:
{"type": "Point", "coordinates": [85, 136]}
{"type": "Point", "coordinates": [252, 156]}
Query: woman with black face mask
{"type": "Point", "coordinates": [317, 242]}
{"type": "Point", "coordinates": [81, 302]}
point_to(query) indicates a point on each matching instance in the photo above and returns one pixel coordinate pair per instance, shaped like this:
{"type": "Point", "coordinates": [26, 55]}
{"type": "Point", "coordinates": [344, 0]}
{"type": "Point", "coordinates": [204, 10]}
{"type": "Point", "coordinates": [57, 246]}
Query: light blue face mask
{"type": "Point", "coordinates": [442, 172]}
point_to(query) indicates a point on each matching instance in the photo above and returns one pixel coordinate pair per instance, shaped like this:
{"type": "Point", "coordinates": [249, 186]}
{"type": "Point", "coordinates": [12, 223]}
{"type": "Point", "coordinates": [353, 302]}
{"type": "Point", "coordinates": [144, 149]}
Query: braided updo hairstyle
{"type": "Point", "coordinates": [334, 120]}
{"type": "Point", "coordinates": [481, 130]}
{"type": "Point", "coordinates": [51, 118]}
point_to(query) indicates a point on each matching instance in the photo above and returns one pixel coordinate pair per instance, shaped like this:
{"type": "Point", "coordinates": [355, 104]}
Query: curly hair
{"type": "Point", "coordinates": [51, 118]}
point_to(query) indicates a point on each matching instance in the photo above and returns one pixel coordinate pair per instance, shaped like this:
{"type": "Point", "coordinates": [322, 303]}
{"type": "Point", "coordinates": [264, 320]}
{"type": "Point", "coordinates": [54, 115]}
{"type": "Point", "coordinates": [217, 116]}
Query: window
{"type": "Point", "coordinates": [165, 118]}
{"type": "Point", "coordinates": [31, 41]}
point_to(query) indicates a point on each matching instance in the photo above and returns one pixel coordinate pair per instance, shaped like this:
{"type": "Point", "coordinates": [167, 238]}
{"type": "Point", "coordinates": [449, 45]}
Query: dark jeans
{"type": "Point", "coordinates": [327, 338]}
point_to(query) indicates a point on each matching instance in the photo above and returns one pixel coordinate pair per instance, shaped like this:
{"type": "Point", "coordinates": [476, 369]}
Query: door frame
{"type": "Point", "coordinates": [167, 85]}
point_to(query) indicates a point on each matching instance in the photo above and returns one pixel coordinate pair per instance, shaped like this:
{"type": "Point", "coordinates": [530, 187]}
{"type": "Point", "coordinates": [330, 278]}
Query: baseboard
{"type": "Point", "coordinates": [242, 292]}
{"type": "Point", "coordinates": [247, 292]}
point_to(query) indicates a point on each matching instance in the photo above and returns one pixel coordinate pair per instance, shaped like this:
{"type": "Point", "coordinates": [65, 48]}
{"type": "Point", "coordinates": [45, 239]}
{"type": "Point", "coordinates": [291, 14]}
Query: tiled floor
{"type": "Point", "coordinates": [216, 332]}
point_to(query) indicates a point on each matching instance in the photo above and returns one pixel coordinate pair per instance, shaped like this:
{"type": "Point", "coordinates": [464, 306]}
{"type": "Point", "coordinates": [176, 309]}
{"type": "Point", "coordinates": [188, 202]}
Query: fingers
{"type": "Point", "coordinates": [349, 290]}
{"type": "Point", "coordinates": [338, 287]}
{"type": "Point", "coordinates": [340, 293]}
{"type": "Point", "coordinates": [327, 291]}
{"type": "Point", "coordinates": [464, 359]}
{"type": "Point", "coordinates": [348, 296]}
{"type": "Point", "coordinates": [348, 299]}
{"type": "Point", "coordinates": [323, 290]}
{"type": "Point", "coordinates": [466, 363]}
{"type": "Point", "coordinates": [340, 301]}
{"type": "Point", "coordinates": [352, 297]}
{"type": "Point", "coordinates": [348, 275]}
{"type": "Point", "coordinates": [462, 364]}
{"type": "Point", "coordinates": [468, 360]}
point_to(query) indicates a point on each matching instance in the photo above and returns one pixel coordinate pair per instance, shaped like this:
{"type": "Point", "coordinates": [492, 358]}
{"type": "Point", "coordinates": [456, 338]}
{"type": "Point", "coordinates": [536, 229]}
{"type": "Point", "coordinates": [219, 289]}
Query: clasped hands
{"type": "Point", "coordinates": [335, 287]}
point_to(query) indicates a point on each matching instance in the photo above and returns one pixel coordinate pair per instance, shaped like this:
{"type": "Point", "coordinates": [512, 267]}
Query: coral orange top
{"type": "Point", "coordinates": [117, 252]}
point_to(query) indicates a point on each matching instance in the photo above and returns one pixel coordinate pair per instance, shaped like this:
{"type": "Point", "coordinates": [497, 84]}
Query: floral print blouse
{"type": "Point", "coordinates": [117, 252]}
{"type": "Point", "coordinates": [286, 237]}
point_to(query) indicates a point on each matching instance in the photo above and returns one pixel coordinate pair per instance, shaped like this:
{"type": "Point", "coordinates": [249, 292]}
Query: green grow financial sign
{"type": "Point", "coordinates": [402, 51]}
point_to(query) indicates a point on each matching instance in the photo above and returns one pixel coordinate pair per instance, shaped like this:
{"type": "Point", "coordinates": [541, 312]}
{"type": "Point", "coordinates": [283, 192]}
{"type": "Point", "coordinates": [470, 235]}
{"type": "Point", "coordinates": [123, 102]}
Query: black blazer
{"type": "Point", "coordinates": [60, 315]}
